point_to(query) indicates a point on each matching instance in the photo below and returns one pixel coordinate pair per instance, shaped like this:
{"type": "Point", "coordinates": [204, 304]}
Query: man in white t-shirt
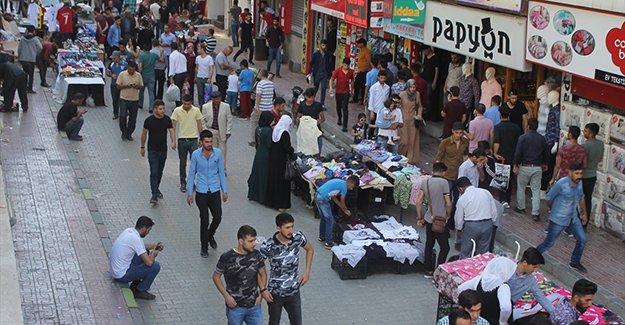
{"type": "Point", "coordinates": [204, 67]}
{"type": "Point", "coordinates": [134, 261]}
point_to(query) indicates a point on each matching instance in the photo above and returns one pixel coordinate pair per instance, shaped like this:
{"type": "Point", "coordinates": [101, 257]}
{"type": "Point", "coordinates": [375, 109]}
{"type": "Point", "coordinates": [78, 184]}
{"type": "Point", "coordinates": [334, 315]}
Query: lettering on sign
{"type": "Point", "coordinates": [477, 36]}
{"type": "Point", "coordinates": [615, 42]}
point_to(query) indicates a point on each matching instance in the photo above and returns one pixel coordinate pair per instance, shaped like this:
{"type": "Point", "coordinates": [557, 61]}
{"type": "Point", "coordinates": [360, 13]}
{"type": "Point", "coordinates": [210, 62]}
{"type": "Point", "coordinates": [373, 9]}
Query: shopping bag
{"type": "Point", "coordinates": [208, 89]}
{"type": "Point", "coordinates": [172, 93]}
{"type": "Point", "coordinates": [186, 89]}
{"type": "Point", "coordinates": [501, 181]}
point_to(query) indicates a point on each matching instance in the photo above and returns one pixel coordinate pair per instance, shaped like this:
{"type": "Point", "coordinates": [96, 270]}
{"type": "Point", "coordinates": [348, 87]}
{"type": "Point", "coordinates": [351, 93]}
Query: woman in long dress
{"type": "Point", "coordinates": [279, 189]}
{"type": "Point", "coordinates": [411, 110]}
{"type": "Point", "coordinates": [257, 182]}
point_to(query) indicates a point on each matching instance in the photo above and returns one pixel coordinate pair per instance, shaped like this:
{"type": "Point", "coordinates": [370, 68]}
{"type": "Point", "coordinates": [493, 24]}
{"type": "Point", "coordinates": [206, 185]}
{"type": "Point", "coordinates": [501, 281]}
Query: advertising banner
{"type": "Point", "coordinates": [410, 12]}
{"type": "Point", "coordinates": [583, 42]}
{"type": "Point", "coordinates": [356, 12]}
{"type": "Point", "coordinates": [485, 35]}
{"type": "Point", "coordinates": [334, 8]}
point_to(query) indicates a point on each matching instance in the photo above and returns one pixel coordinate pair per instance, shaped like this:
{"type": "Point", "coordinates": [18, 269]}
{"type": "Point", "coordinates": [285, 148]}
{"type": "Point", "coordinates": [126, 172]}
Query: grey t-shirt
{"type": "Point", "coordinates": [594, 149]}
{"type": "Point", "coordinates": [221, 59]}
{"type": "Point", "coordinates": [438, 187]}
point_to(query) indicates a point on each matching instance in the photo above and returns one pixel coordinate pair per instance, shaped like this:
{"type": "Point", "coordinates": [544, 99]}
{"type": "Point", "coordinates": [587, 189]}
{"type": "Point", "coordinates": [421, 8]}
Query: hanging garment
{"type": "Point", "coordinates": [307, 134]}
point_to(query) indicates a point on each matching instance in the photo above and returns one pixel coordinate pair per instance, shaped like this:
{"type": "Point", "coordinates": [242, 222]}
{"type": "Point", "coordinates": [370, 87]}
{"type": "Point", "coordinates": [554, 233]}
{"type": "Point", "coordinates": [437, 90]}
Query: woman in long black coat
{"type": "Point", "coordinates": [257, 182]}
{"type": "Point", "coordinates": [279, 189]}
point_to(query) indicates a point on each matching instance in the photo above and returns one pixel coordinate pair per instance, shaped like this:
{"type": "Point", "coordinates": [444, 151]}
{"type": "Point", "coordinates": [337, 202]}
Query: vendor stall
{"type": "Point", "coordinates": [449, 276]}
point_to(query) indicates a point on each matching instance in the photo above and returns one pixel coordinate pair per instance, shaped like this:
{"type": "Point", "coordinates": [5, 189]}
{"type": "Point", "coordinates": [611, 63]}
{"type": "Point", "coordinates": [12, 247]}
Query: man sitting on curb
{"type": "Point", "coordinates": [69, 118]}
{"type": "Point", "coordinates": [134, 261]}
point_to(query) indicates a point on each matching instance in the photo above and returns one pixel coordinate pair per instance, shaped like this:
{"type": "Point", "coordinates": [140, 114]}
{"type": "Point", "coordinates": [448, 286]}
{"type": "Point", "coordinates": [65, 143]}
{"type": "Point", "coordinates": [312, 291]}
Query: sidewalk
{"type": "Point", "coordinates": [602, 249]}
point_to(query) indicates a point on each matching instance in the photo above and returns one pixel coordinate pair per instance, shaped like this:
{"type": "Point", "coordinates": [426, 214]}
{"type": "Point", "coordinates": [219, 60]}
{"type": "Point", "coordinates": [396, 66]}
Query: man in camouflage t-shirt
{"type": "Point", "coordinates": [241, 267]}
{"type": "Point", "coordinates": [282, 250]}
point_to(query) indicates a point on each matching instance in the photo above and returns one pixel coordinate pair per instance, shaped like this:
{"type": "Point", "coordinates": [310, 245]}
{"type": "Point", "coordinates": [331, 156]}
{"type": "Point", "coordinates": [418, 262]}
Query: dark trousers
{"type": "Point", "coordinates": [454, 195]}
{"type": "Point", "coordinates": [205, 202]}
{"type": "Point", "coordinates": [43, 67]}
{"type": "Point", "coordinates": [222, 84]}
{"type": "Point", "coordinates": [342, 102]}
{"type": "Point", "coordinates": [8, 91]}
{"type": "Point", "coordinates": [551, 164]}
{"type": "Point", "coordinates": [115, 97]}
{"type": "Point", "coordinates": [359, 86]}
{"type": "Point", "coordinates": [157, 160]}
{"type": "Point", "coordinates": [443, 242]}
{"type": "Point", "coordinates": [29, 68]}
{"type": "Point", "coordinates": [161, 79]}
{"type": "Point", "coordinates": [292, 305]}
{"type": "Point", "coordinates": [179, 79]}
{"type": "Point", "coordinates": [372, 121]}
{"type": "Point", "coordinates": [128, 116]}
{"type": "Point", "coordinates": [588, 184]}
{"type": "Point", "coordinates": [185, 149]}
{"type": "Point", "coordinates": [246, 44]}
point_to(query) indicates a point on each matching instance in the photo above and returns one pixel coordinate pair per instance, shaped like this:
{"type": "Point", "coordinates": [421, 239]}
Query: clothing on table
{"type": "Point", "coordinates": [401, 192]}
{"type": "Point", "coordinates": [454, 111]}
{"type": "Point", "coordinates": [307, 134]}
{"type": "Point", "coordinates": [240, 273]}
{"type": "Point", "coordinates": [481, 128]}
{"type": "Point", "coordinates": [284, 263]}
{"type": "Point", "coordinates": [452, 155]}
{"type": "Point", "coordinates": [279, 189]}
{"type": "Point", "coordinates": [353, 254]}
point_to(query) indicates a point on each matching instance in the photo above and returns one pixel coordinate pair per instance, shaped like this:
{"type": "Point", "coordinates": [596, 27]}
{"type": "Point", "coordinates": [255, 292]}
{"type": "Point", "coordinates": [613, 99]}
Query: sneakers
{"type": "Point", "coordinates": [153, 199]}
{"type": "Point", "coordinates": [213, 243]}
{"type": "Point", "coordinates": [519, 210]}
{"type": "Point", "coordinates": [543, 194]}
{"type": "Point", "coordinates": [115, 117]}
{"type": "Point", "coordinates": [579, 267]}
{"type": "Point", "coordinates": [183, 188]}
{"type": "Point", "coordinates": [45, 85]}
{"type": "Point", "coordinates": [159, 195]}
{"type": "Point", "coordinates": [143, 295]}
{"type": "Point", "coordinates": [428, 275]}
{"type": "Point", "coordinates": [321, 240]}
{"type": "Point", "coordinates": [536, 217]}
{"type": "Point", "coordinates": [505, 205]}
{"type": "Point", "coordinates": [344, 129]}
{"type": "Point", "coordinates": [568, 233]}
{"type": "Point", "coordinates": [204, 253]}
{"type": "Point", "coordinates": [328, 246]}
{"type": "Point", "coordinates": [76, 138]}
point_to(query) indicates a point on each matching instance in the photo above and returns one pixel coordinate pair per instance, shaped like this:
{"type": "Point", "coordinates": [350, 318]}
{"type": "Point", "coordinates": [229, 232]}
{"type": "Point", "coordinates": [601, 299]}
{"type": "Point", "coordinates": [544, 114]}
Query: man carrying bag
{"type": "Point", "coordinates": [436, 189]}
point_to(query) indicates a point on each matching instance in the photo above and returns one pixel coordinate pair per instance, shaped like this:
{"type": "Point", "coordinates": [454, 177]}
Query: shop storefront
{"type": "Point", "coordinates": [589, 47]}
{"type": "Point", "coordinates": [404, 19]}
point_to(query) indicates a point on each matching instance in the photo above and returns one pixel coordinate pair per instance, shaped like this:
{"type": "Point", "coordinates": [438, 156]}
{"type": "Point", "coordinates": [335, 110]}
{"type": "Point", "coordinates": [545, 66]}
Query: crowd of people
{"type": "Point", "coordinates": [155, 48]}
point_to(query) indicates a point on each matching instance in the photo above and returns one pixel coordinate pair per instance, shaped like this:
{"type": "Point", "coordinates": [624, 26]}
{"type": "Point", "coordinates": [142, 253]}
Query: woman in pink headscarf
{"type": "Point", "coordinates": [189, 53]}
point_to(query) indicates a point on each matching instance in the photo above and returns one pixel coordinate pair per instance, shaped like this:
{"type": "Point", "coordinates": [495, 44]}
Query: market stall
{"type": "Point", "coordinates": [449, 276]}
{"type": "Point", "coordinates": [80, 70]}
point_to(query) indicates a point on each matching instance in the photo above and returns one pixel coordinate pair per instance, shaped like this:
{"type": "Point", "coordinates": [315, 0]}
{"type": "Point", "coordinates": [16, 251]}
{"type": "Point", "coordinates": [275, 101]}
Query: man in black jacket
{"type": "Point", "coordinates": [13, 79]}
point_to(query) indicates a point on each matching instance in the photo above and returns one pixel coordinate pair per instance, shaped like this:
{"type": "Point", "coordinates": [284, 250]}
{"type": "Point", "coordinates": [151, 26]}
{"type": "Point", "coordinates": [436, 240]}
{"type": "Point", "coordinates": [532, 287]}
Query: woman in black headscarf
{"type": "Point", "coordinates": [257, 182]}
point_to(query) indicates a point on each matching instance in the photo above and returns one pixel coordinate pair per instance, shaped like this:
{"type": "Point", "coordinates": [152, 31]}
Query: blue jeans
{"type": "Point", "coordinates": [232, 101]}
{"type": "Point", "coordinates": [251, 316]}
{"type": "Point", "coordinates": [149, 84]}
{"type": "Point", "coordinates": [72, 128]}
{"type": "Point", "coordinates": [234, 31]}
{"type": "Point", "coordinates": [274, 53]}
{"type": "Point", "coordinates": [321, 82]}
{"type": "Point", "coordinates": [325, 224]}
{"type": "Point", "coordinates": [553, 232]}
{"type": "Point", "coordinates": [320, 143]}
{"type": "Point", "coordinates": [138, 271]}
{"type": "Point", "coordinates": [157, 164]}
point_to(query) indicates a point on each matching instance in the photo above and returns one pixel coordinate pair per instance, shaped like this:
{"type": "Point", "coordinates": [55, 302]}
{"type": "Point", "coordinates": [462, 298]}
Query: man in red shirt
{"type": "Point", "coordinates": [454, 111]}
{"type": "Point", "coordinates": [65, 17]}
{"type": "Point", "coordinates": [44, 60]}
{"type": "Point", "coordinates": [569, 153]}
{"type": "Point", "coordinates": [344, 77]}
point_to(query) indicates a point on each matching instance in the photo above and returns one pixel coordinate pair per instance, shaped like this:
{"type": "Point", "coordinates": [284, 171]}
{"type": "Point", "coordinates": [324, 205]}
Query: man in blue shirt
{"type": "Point", "coordinates": [166, 39]}
{"type": "Point", "coordinates": [116, 67]}
{"type": "Point", "coordinates": [326, 194]}
{"type": "Point", "coordinates": [563, 199]}
{"type": "Point", "coordinates": [207, 170]}
{"type": "Point", "coordinates": [492, 113]}
{"type": "Point", "coordinates": [115, 34]}
{"type": "Point", "coordinates": [371, 78]}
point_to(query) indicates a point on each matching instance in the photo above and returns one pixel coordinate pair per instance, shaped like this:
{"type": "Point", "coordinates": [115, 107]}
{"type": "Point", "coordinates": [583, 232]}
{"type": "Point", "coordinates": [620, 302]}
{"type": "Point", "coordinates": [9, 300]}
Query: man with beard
{"type": "Point", "coordinates": [563, 199]}
{"type": "Point", "coordinates": [569, 310]}
{"type": "Point", "coordinates": [282, 250]}
{"type": "Point", "coordinates": [134, 261]}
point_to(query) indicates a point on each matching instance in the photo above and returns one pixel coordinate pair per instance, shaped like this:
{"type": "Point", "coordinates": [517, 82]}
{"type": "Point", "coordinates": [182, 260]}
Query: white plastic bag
{"type": "Point", "coordinates": [172, 93]}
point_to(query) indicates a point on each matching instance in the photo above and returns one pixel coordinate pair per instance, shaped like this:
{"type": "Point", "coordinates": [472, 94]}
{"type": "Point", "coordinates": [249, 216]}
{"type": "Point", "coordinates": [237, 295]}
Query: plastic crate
{"type": "Point", "coordinates": [346, 271]}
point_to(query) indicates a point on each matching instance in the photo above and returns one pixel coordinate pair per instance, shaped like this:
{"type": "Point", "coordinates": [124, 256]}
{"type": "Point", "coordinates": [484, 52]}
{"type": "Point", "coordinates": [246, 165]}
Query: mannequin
{"type": "Point", "coordinates": [469, 88]}
{"type": "Point", "coordinates": [552, 135]}
{"type": "Point", "coordinates": [543, 108]}
{"type": "Point", "coordinates": [490, 87]}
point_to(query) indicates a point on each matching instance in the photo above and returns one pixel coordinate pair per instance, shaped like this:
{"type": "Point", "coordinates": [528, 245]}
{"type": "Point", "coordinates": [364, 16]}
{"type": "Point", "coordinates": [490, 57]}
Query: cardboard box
{"type": "Point", "coordinates": [617, 129]}
{"type": "Point", "coordinates": [615, 191]}
{"type": "Point", "coordinates": [572, 114]}
{"type": "Point", "coordinates": [616, 162]}
{"type": "Point", "coordinates": [613, 219]}
{"type": "Point", "coordinates": [603, 119]}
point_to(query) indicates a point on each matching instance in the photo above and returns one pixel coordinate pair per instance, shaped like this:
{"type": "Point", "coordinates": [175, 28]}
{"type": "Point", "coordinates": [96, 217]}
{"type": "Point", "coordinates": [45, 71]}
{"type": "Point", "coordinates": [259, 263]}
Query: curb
{"type": "Point", "coordinates": [11, 300]}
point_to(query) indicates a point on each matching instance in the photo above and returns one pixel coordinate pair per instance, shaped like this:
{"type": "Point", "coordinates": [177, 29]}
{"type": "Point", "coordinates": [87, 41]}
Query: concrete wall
{"type": "Point", "coordinates": [215, 8]}
{"type": "Point", "coordinates": [293, 50]}
{"type": "Point", "coordinates": [617, 6]}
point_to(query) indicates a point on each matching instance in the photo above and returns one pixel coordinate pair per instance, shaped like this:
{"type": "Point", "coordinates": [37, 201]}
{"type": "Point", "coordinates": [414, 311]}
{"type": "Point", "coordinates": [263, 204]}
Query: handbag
{"type": "Point", "coordinates": [290, 172]}
{"type": "Point", "coordinates": [439, 224]}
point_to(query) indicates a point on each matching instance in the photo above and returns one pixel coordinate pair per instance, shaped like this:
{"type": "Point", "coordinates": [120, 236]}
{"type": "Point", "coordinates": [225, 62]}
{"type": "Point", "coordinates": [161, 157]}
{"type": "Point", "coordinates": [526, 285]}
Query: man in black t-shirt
{"type": "Point", "coordinates": [242, 268]}
{"type": "Point", "coordinates": [518, 111]}
{"type": "Point", "coordinates": [69, 118]}
{"type": "Point", "coordinates": [431, 74]}
{"type": "Point", "coordinates": [157, 125]}
{"type": "Point", "coordinates": [506, 137]}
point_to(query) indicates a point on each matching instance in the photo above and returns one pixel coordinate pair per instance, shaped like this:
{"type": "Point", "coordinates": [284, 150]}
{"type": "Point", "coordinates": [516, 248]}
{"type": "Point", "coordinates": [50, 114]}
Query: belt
{"type": "Point", "coordinates": [478, 220]}
{"type": "Point", "coordinates": [530, 165]}
{"type": "Point", "coordinates": [187, 139]}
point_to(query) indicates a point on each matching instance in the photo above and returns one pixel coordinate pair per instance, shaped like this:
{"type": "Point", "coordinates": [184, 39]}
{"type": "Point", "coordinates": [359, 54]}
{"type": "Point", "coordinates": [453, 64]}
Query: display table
{"type": "Point", "coordinates": [449, 276]}
{"type": "Point", "coordinates": [79, 72]}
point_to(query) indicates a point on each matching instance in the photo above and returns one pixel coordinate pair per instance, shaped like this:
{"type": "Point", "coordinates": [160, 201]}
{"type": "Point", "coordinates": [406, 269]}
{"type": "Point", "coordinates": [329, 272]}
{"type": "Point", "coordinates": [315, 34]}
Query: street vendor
{"type": "Point", "coordinates": [327, 193]}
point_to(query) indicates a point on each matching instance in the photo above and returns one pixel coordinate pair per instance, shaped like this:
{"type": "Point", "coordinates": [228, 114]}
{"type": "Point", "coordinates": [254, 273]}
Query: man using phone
{"type": "Point", "coordinates": [69, 118]}
{"type": "Point", "coordinates": [129, 83]}
{"type": "Point", "coordinates": [134, 261]}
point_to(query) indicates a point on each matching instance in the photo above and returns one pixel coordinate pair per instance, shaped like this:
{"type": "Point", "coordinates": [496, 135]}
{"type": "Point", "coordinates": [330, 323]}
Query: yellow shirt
{"type": "Point", "coordinates": [364, 60]}
{"type": "Point", "coordinates": [186, 121]}
{"type": "Point", "coordinates": [125, 79]}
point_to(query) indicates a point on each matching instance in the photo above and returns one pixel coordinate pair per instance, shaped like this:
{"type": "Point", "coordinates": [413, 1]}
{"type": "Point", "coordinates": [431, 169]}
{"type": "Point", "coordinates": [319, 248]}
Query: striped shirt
{"type": "Point", "coordinates": [211, 44]}
{"type": "Point", "coordinates": [265, 89]}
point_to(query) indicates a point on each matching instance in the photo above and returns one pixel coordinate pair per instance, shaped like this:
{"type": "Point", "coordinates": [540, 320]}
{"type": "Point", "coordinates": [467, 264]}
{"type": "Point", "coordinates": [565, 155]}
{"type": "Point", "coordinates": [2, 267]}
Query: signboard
{"type": "Point", "coordinates": [334, 8]}
{"type": "Point", "coordinates": [487, 36]}
{"type": "Point", "coordinates": [507, 5]}
{"type": "Point", "coordinates": [285, 19]}
{"type": "Point", "coordinates": [409, 12]}
{"type": "Point", "coordinates": [583, 42]}
{"type": "Point", "coordinates": [376, 8]}
{"type": "Point", "coordinates": [412, 32]}
{"type": "Point", "coordinates": [356, 12]}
